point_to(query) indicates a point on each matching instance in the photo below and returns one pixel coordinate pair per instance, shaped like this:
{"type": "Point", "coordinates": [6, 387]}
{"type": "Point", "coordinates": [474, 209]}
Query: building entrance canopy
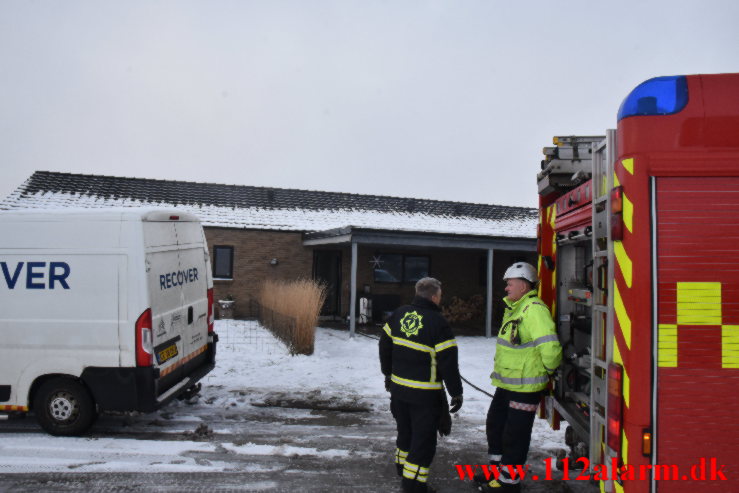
{"type": "Point", "coordinates": [354, 237]}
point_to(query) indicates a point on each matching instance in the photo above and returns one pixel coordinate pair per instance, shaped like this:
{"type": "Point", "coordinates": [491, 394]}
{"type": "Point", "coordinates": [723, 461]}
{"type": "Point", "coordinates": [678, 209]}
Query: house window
{"type": "Point", "coordinates": [223, 260]}
{"type": "Point", "coordinates": [415, 267]}
{"type": "Point", "coordinates": [389, 268]}
{"type": "Point", "coordinates": [396, 268]}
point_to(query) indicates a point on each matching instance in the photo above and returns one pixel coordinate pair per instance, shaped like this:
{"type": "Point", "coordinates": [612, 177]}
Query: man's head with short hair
{"type": "Point", "coordinates": [429, 288]}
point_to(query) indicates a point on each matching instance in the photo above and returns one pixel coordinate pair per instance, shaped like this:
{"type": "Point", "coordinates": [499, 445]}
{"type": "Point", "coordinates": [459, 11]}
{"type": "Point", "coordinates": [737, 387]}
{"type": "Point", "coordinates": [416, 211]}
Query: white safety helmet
{"type": "Point", "coordinates": [521, 270]}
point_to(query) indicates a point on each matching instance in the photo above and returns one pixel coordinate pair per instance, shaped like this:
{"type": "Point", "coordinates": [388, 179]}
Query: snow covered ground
{"type": "Point", "coordinates": [263, 411]}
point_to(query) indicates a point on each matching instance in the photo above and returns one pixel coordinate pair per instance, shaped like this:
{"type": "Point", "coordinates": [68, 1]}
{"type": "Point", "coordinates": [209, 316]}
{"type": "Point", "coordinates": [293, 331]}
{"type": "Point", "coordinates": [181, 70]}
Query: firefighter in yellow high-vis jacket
{"type": "Point", "coordinates": [527, 354]}
{"type": "Point", "coordinates": [418, 354]}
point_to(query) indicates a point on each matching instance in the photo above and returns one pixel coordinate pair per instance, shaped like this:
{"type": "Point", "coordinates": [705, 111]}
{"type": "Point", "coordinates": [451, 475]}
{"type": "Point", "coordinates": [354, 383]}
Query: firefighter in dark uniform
{"type": "Point", "coordinates": [418, 354]}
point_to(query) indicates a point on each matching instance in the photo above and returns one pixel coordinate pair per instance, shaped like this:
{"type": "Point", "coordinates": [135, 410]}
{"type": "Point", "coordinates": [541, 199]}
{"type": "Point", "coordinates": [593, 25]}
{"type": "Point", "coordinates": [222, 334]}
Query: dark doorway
{"type": "Point", "coordinates": [327, 269]}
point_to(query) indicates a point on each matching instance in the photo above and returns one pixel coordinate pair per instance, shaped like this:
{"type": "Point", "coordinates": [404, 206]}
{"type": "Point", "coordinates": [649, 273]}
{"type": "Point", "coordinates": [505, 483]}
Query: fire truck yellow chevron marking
{"type": "Point", "coordinates": [730, 346]}
{"type": "Point", "coordinates": [552, 214]}
{"type": "Point", "coordinates": [627, 388]}
{"type": "Point", "coordinates": [667, 346]}
{"type": "Point", "coordinates": [623, 261]}
{"type": "Point", "coordinates": [624, 447]}
{"type": "Point", "coordinates": [623, 318]}
{"type": "Point", "coordinates": [617, 353]}
{"type": "Point", "coordinates": [553, 211]}
{"type": "Point", "coordinates": [628, 165]}
{"type": "Point", "coordinates": [626, 382]}
{"type": "Point", "coordinates": [628, 213]}
{"type": "Point", "coordinates": [699, 303]}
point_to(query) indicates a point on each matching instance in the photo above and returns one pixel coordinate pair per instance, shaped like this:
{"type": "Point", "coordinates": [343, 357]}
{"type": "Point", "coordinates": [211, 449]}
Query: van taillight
{"type": "Point", "coordinates": [615, 407]}
{"type": "Point", "coordinates": [144, 347]}
{"type": "Point", "coordinates": [211, 311]}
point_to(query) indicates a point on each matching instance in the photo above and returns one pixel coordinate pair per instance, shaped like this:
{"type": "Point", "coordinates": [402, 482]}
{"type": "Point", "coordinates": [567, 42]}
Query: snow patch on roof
{"type": "Point", "coordinates": [304, 220]}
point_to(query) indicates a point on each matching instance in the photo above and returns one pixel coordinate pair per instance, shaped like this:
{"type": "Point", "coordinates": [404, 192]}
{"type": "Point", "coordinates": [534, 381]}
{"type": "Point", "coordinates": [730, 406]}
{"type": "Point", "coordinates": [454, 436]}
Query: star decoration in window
{"type": "Point", "coordinates": [377, 262]}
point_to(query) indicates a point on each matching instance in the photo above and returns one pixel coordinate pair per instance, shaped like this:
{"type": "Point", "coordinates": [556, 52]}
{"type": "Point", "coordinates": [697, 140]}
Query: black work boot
{"type": "Point", "coordinates": [409, 485]}
{"type": "Point", "coordinates": [412, 486]}
{"type": "Point", "coordinates": [480, 477]}
{"type": "Point", "coordinates": [424, 488]}
{"type": "Point", "coordinates": [496, 486]}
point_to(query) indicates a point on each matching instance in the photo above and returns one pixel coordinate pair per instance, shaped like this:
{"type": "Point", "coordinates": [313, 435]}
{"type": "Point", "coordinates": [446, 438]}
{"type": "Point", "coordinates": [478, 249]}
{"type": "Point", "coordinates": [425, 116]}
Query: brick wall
{"type": "Point", "coordinates": [253, 251]}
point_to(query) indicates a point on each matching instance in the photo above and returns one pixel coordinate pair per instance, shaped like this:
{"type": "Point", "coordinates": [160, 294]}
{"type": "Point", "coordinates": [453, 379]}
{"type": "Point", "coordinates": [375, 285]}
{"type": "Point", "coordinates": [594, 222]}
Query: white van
{"type": "Point", "coordinates": [101, 310]}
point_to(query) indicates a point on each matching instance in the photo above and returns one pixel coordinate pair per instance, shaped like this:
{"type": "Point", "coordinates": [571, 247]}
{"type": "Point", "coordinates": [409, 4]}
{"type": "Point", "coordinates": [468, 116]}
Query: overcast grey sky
{"type": "Point", "coordinates": [448, 100]}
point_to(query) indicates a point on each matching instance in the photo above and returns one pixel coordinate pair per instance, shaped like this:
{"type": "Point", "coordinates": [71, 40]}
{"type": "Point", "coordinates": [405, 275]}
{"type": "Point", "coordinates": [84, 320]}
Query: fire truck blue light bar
{"type": "Point", "coordinates": [658, 96]}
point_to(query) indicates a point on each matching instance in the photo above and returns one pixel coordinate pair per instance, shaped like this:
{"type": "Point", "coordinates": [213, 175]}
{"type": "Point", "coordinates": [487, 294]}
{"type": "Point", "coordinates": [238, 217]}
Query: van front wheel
{"type": "Point", "coordinates": [64, 406]}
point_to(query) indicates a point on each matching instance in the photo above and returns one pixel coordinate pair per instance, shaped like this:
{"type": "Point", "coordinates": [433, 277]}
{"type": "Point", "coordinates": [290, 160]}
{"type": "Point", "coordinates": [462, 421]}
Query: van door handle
{"type": "Point", "coordinates": [189, 315]}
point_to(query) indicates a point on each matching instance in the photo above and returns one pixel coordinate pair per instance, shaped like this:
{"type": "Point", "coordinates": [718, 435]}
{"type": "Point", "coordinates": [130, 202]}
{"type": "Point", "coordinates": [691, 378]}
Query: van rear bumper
{"type": "Point", "coordinates": [137, 389]}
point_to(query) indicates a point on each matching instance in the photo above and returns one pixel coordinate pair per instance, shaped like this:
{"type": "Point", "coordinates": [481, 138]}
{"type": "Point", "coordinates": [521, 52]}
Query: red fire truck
{"type": "Point", "coordinates": [639, 262]}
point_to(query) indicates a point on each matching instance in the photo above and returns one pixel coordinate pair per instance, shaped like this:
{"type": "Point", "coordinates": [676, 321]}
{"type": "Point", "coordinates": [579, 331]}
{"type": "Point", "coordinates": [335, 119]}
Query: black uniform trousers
{"type": "Point", "coordinates": [508, 426]}
{"type": "Point", "coordinates": [417, 425]}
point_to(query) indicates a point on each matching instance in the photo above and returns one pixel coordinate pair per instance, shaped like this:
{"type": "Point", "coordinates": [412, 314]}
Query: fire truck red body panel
{"type": "Point", "coordinates": [674, 287]}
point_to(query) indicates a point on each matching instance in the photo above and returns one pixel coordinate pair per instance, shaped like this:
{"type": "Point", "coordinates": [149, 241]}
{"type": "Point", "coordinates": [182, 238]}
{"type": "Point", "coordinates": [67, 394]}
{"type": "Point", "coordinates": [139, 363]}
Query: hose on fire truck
{"type": "Point", "coordinates": [462, 377]}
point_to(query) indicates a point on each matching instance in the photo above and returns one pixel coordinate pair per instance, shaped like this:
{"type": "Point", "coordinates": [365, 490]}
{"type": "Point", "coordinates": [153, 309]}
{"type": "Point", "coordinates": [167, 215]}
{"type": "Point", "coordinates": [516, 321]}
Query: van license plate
{"type": "Point", "coordinates": [167, 353]}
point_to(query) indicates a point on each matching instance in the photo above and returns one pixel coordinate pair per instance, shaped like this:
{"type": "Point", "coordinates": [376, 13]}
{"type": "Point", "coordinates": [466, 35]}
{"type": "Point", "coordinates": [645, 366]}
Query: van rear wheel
{"type": "Point", "coordinates": [64, 406]}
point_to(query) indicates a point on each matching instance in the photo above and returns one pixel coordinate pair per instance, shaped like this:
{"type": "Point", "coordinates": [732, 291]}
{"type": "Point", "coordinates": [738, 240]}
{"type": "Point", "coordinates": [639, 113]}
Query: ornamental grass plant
{"type": "Point", "coordinates": [290, 309]}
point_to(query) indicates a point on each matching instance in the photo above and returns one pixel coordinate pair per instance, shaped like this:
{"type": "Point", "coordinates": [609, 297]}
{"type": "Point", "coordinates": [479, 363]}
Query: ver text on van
{"type": "Point", "coordinates": [37, 274]}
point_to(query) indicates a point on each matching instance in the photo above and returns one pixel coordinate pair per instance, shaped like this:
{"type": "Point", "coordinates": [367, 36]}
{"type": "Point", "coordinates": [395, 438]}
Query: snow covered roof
{"type": "Point", "coordinates": [248, 207]}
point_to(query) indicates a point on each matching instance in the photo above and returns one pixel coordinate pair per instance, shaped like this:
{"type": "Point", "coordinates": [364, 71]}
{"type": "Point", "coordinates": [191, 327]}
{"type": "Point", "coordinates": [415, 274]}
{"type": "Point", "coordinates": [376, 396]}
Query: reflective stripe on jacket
{"type": "Point", "coordinates": [418, 352]}
{"type": "Point", "coordinates": [528, 350]}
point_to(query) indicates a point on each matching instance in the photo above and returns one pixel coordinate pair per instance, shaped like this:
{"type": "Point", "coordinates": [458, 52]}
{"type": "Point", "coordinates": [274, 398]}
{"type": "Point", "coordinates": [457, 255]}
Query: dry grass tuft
{"type": "Point", "coordinates": [290, 310]}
